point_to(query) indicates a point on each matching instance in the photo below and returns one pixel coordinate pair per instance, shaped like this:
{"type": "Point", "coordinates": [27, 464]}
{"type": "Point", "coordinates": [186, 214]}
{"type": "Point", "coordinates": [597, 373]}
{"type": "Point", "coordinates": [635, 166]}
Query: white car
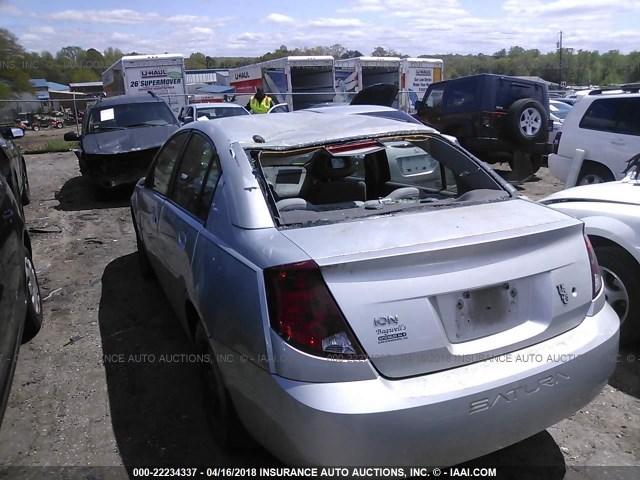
{"type": "Point", "coordinates": [210, 111]}
{"type": "Point", "coordinates": [611, 213]}
{"type": "Point", "coordinates": [607, 129]}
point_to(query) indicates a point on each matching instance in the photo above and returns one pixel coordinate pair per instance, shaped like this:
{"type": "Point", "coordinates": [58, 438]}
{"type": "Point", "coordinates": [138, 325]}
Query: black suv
{"type": "Point", "coordinates": [497, 118]}
{"type": "Point", "coordinates": [120, 136]}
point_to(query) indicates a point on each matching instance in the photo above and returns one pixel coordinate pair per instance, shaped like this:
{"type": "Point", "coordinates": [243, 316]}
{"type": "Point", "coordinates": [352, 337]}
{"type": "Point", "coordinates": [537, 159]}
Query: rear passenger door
{"type": "Point", "coordinates": [184, 214]}
{"type": "Point", "coordinates": [612, 126]}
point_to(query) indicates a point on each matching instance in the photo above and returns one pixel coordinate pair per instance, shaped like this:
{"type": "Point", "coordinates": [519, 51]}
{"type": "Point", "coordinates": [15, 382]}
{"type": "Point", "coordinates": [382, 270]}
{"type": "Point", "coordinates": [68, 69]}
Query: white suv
{"type": "Point", "coordinates": [607, 129]}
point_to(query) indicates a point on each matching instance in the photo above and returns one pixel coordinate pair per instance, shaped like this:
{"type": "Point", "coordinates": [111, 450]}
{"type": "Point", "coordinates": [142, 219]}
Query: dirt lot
{"type": "Point", "coordinates": [74, 403]}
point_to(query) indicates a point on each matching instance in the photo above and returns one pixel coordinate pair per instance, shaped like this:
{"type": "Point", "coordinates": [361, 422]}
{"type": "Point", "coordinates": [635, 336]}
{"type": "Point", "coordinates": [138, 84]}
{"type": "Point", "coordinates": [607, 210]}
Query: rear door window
{"type": "Point", "coordinates": [197, 176]}
{"type": "Point", "coordinates": [509, 92]}
{"type": "Point", "coordinates": [616, 115]}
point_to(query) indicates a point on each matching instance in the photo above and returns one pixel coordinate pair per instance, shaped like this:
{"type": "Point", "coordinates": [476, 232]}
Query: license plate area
{"type": "Point", "coordinates": [475, 313]}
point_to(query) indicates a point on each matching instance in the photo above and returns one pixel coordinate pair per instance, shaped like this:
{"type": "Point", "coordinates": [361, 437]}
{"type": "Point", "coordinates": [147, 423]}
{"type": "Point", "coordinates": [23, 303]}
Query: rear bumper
{"type": "Point", "coordinates": [438, 419]}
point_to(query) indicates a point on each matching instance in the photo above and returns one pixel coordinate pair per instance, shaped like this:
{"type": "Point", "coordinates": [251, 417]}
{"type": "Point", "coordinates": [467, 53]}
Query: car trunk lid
{"type": "Point", "coordinates": [432, 290]}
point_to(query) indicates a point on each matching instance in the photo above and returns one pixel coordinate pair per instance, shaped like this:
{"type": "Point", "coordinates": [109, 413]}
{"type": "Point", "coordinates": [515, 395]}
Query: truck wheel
{"type": "Point", "coordinates": [594, 173]}
{"type": "Point", "coordinates": [33, 320]}
{"type": "Point", "coordinates": [35, 128]}
{"type": "Point", "coordinates": [536, 163]}
{"type": "Point", "coordinates": [521, 165]}
{"type": "Point", "coordinates": [228, 432]}
{"type": "Point", "coordinates": [527, 121]}
{"type": "Point", "coordinates": [621, 281]}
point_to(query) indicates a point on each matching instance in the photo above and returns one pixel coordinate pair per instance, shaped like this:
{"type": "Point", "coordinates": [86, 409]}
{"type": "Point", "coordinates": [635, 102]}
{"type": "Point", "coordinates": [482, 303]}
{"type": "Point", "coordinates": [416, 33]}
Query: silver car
{"type": "Point", "coordinates": [347, 318]}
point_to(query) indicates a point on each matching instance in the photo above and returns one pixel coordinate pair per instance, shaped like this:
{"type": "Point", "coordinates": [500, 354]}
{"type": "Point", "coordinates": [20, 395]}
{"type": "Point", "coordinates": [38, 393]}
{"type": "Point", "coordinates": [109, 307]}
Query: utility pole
{"type": "Point", "coordinates": [559, 46]}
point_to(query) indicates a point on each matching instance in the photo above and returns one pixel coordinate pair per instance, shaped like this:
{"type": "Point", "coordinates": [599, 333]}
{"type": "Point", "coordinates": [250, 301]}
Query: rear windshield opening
{"type": "Point", "coordinates": [334, 183]}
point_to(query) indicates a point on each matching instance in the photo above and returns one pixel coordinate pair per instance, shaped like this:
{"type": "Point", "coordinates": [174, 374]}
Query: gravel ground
{"type": "Point", "coordinates": [75, 404]}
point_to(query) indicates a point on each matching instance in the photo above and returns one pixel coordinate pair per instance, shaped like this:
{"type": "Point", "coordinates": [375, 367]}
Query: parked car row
{"type": "Point", "coordinates": [370, 272]}
{"type": "Point", "coordinates": [20, 302]}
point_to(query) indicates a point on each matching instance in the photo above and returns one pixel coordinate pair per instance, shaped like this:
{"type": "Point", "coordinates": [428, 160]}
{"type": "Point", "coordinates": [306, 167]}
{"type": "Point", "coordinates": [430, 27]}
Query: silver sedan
{"type": "Point", "coordinates": [346, 316]}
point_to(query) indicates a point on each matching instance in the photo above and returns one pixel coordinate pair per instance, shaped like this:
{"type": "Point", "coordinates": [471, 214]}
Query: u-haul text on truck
{"type": "Point", "coordinates": [161, 74]}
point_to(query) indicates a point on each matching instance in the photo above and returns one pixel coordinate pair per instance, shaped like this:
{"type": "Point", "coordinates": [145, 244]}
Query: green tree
{"type": "Point", "coordinates": [13, 78]}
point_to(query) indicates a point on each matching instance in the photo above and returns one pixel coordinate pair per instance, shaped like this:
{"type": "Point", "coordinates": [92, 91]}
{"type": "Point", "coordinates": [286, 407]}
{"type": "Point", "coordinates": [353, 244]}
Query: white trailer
{"type": "Point", "coordinates": [411, 75]}
{"type": "Point", "coordinates": [416, 74]}
{"type": "Point", "coordinates": [162, 74]}
{"type": "Point", "coordinates": [299, 81]}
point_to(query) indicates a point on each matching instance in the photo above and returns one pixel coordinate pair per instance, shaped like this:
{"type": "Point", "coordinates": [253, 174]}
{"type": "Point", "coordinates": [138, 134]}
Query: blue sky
{"type": "Point", "coordinates": [251, 28]}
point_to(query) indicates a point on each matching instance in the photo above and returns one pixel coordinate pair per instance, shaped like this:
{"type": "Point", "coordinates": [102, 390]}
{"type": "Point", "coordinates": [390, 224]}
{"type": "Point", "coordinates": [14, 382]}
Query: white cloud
{"type": "Point", "coordinates": [278, 18]}
{"type": "Point", "coordinates": [120, 17]}
{"type": "Point", "coordinates": [335, 22]}
{"type": "Point", "coordinates": [202, 31]}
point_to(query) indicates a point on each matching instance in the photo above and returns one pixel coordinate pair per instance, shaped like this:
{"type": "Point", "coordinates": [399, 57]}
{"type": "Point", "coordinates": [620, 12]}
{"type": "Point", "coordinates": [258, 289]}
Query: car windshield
{"type": "Point", "coordinates": [377, 176]}
{"type": "Point", "coordinates": [209, 113]}
{"type": "Point", "coordinates": [132, 115]}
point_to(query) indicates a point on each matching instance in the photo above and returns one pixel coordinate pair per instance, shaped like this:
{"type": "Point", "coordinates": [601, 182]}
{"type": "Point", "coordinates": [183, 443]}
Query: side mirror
{"type": "Point", "coordinates": [71, 137]}
{"type": "Point", "coordinates": [187, 119]}
{"type": "Point", "coordinates": [17, 133]}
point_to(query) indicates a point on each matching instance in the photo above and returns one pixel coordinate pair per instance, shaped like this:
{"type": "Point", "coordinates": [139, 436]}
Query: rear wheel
{"type": "Point", "coordinates": [227, 430]}
{"type": "Point", "coordinates": [35, 128]}
{"type": "Point", "coordinates": [621, 281]}
{"type": "Point", "coordinates": [594, 173]}
{"type": "Point", "coordinates": [33, 321]}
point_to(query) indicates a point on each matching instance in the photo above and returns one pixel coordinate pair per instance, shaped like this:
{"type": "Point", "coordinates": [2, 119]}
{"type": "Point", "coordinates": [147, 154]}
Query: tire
{"type": "Point", "coordinates": [143, 259]}
{"type": "Point", "coordinates": [33, 320]}
{"type": "Point", "coordinates": [59, 125]}
{"type": "Point", "coordinates": [621, 281]}
{"type": "Point", "coordinates": [527, 122]}
{"type": "Point", "coordinates": [35, 128]}
{"type": "Point", "coordinates": [226, 428]}
{"type": "Point", "coordinates": [591, 174]}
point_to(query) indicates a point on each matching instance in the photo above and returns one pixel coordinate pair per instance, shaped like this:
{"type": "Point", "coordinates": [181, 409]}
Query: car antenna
{"type": "Point", "coordinates": [258, 139]}
{"type": "Point", "coordinates": [152, 94]}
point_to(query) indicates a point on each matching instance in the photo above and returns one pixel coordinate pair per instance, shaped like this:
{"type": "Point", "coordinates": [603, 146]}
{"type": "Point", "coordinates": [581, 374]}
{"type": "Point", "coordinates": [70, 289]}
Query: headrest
{"type": "Point", "coordinates": [326, 167]}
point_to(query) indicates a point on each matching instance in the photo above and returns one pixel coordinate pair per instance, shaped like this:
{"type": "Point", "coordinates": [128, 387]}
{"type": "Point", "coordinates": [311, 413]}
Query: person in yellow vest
{"type": "Point", "coordinates": [260, 103]}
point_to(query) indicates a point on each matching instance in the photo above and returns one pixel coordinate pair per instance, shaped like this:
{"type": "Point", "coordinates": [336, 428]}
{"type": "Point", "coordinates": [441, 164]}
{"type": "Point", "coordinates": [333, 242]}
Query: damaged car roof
{"type": "Point", "coordinates": [304, 128]}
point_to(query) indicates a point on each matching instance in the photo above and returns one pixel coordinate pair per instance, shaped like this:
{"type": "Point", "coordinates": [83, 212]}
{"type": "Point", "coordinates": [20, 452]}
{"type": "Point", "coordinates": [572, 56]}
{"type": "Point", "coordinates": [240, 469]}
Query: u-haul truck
{"type": "Point", "coordinates": [299, 81]}
{"type": "Point", "coordinates": [411, 75]}
{"type": "Point", "coordinates": [161, 74]}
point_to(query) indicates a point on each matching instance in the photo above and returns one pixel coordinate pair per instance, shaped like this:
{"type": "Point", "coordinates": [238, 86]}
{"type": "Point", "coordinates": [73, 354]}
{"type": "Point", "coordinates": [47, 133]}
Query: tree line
{"type": "Point", "coordinates": [75, 64]}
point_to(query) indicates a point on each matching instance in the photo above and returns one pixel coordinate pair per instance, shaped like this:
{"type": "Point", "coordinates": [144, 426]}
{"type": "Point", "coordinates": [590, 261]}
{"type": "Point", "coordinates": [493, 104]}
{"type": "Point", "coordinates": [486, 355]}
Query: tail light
{"type": "Point", "coordinates": [304, 313]}
{"type": "Point", "coordinates": [556, 142]}
{"type": "Point", "coordinates": [596, 275]}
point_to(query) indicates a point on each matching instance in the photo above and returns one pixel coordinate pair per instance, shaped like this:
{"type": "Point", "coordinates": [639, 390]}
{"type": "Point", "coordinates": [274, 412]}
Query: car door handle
{"type": "Point", "coordinates": [618, 141]}
{"type": "Point", "coordinates": [182, 240]}
{"type": "Point", "coordinates": [154, 215]}
{"type": "Point", "coordinates": [183, 177]}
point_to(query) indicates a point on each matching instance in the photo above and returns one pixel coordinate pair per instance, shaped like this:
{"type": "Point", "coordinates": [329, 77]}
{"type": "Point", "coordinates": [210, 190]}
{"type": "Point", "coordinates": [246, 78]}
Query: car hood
{"type": "Point", "coordinates": [128, 140]}
{"type": "Point", "coordinates": [378, 94]}
{"type": "Point", "coordinates": [610, 192]}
